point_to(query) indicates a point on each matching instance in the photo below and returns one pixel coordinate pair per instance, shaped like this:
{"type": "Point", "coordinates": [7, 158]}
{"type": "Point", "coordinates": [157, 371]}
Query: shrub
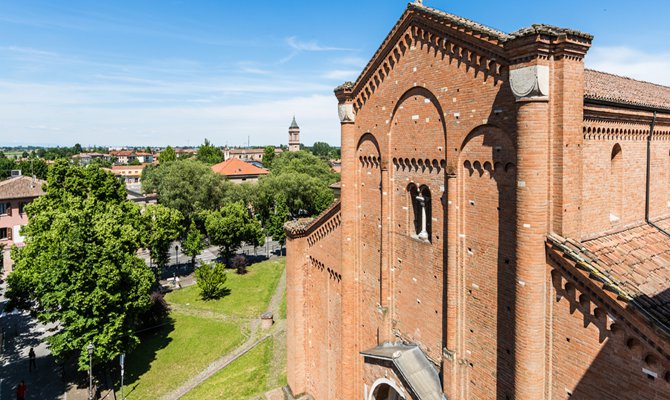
{"type": "Point", "coordinates": [157, 312]}
{"type": "Point", "coordinates": [211, 279]}
{"type": "Point", "coordinates": [240, 263]}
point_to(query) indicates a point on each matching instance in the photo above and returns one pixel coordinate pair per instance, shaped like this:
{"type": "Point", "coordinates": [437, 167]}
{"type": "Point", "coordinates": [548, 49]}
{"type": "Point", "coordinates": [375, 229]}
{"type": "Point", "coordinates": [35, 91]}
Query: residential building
{"type": "Point", "coordinates": [15, 194]}
{"type": "Point", "coordinates": [86, 158]}
{"type": "Point", "coordinates": [248, 154]}
{"type": "Point", "coordinates": [130, 174]}
{"type": "Point", "coordinates": [503, 230]}
{"type": "Point", "coordinates": [123, 157]}
{"type": "Point", "coordinates": [238, 171]}
{"type": "Point", "coordinates": [145, 158]}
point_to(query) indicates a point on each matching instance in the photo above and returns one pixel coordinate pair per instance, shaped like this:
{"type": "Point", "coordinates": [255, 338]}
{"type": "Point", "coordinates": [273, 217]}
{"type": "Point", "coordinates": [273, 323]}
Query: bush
{"type": "Point", "coordinates": [240, 263]}
{"type": "Point", "coordinates": [211, 279]}
{"type": "Point", "coordinates": [157, 312]}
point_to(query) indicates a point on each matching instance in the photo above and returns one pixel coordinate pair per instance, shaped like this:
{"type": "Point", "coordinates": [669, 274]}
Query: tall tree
{"type": "Point", "coordinates": [304, 162]}
{"type": "Point", "coordinates": [268, 156]}
{"type": "Point", "coordinates": [194, 243]}
{"type": "Point", "coordinates": [163, 226]}
{"type": "Point", "coordinates": [36, 167]}
{"type": "Point", "coordinates": [79, 267]}
{"type": "Point", "coordinates": [305, 195]}
{"type": "Point", "coordinates": [232, 225]}
{"type": "Point", "coordinates": [277, 219]}
{"type": "Point", "coordinates": [6, 167]}
{"type": "Point", "coordinates": [167, 155]}
{"type": "Point", "coordinates": [323, 150]}
{"type": "Point", "coordinates": [209, 154]}
{"type": "Point", "coordinates": [77, 148]}
{"type": "Point", "coordinates": [186, 185]}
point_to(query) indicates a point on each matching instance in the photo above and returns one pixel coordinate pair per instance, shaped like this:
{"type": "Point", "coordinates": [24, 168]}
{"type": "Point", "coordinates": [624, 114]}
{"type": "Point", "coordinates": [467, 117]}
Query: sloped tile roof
{"type": "Point", "coordinates": [609, 87]}
{"type": "Point", "coordinates": [638, 262]}
{"type": "Point", "coordinates": [20, 187]}
{"type": "Point", "coordinates": [236, 167]}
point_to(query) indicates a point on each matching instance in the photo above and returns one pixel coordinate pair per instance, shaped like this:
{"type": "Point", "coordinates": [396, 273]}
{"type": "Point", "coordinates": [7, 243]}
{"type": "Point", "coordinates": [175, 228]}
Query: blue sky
{"type": "Point", "coordinates": [176, 72]}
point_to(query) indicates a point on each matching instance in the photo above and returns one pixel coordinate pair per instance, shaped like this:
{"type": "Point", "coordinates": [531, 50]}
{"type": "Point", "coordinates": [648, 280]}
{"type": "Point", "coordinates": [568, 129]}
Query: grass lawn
{"type": "Point", "coordinates": [245, 377]}
{"type": "Point", "coordinates": [249, 293]}
{"type": "Point", "coordinates": [200, 333]}
{"type": "Point", "coordinates": [170, 356]}
{"type": "Point", "coordinates": [282, 307]}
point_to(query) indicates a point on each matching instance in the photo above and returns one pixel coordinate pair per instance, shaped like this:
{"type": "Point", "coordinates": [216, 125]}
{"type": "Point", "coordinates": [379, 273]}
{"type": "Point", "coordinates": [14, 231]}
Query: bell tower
{"type": "Point", "coordinates": [294, 136]}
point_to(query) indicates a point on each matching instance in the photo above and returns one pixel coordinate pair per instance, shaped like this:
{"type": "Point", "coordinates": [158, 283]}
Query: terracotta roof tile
{"type": "Point", "coordinates": [237, 167]}
{"type": "Point", "coordinates": [603, 86]}
{"type": "Point", "coordinates": [20, 187]}
{"type": "Point", "coordinates": [639, 259]}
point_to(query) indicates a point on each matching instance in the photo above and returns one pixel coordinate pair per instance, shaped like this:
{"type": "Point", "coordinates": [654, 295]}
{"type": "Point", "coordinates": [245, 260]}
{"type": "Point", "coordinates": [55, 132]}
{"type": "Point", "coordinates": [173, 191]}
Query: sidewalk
{"type": "Point", "coordinates": [21, 332]}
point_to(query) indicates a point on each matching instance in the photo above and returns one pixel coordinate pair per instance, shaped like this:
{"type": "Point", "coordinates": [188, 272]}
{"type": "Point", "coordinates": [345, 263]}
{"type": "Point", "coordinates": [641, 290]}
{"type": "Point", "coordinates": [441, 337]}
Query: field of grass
{"type": "Point", "coordinates": [176, 352]}
{"type": "Point", "coordinates": [282, 307]}
{"type": "Point", "coordinates": [249, 293]}
{"type": "Point", "coordinates": [245, 377]}
{"type": "Point", "coordinates": [200, 332]}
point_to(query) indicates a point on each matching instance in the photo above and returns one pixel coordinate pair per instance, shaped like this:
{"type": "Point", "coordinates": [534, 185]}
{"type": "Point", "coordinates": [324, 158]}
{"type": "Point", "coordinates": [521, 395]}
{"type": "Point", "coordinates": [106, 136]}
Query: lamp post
{"type": "Point", "coordinates": [176, 255]}
{"type": "Point", "coordinates": [90, 348]}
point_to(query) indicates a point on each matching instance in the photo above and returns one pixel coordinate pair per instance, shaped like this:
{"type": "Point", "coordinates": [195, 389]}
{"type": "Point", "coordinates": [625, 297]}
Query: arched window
{"type": "Point", "coordinates": [420, 201]}
{"type": "Point", "coordinates": [616, 184]}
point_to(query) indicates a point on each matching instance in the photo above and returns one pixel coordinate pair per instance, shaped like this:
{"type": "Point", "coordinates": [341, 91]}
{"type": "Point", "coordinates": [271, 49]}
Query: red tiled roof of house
{"type": "Point", "coordinates": [604, 86]}
{"type": "Point", "coordinates": [237, 167]}
{"type": "Point", "coordinates": [121, 153]}
{"type": "Point", "coordinates": [637, 261]}
{"type": "Point", "coordinates": [20, 187]}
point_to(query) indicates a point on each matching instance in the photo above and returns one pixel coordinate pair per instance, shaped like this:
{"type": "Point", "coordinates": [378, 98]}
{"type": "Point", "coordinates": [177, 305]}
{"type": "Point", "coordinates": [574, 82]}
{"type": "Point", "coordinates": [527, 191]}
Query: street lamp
{"type": "Point", "coordinates": [176, 255]}
{"type": "Point", "coordinates": [90, 348]}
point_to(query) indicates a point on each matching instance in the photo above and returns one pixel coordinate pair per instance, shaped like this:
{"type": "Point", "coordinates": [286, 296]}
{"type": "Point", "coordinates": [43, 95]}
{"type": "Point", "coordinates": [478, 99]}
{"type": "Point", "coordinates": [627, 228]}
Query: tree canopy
{"type": "Point", "coordinates": [79, 266]}
{"type": "Point", "coordinates": [194, 243]}
{"type": "Point", "coordinates": [186, 185]}
{"type": "Point", "coordinates": [303, 162]}
{"type": "Point", "coordinates": [232, 225]}
{"type": "Point", "coordinates": [209, 154]}
{"type": "Point", "coordinates": [167, 155]}
{"type": "Point", "coordinates": [268, 156]}
{"type": "Point", "coordinates": [163, 226]}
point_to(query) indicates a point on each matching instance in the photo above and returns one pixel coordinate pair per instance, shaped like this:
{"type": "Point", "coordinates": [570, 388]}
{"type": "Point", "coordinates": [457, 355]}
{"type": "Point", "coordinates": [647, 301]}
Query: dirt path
{"type": "Point", "coordinates": [249, 344]}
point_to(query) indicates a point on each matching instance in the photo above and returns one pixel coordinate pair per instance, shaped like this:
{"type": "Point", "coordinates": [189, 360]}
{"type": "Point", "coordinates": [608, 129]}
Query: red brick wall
{"type": "Point", "coordinates": [596, 353]}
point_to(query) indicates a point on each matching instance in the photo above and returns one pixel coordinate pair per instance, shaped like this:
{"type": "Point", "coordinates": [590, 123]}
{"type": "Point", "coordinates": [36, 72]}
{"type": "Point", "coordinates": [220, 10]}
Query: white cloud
{"type": "Point", "coordinates": [633, 63]}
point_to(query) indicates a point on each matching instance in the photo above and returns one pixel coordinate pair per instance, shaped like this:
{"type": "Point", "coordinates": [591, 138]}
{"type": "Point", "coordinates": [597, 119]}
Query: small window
{"type": "Point", "coordinates": [422, 211]}
{"type": "Point", "coordinates": [22, 207]}
{"type": "Point", "coordinates": [4, 233]}
{"type": "Point", "coordinates": [5, 208]}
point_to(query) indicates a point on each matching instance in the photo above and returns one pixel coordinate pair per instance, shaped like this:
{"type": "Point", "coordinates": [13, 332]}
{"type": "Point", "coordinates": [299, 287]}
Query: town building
{"type": "Point", "coordinates": [238, 171]}
{"type": "Point", "coordinates": [15, 194]}
{"type": "Point", "coordinates": [248, 154]}
{"type": "Point", "coordinates": [145, 158]}
{"type": "Point", "coordinates": [503, 230]}
{"type": "Point", "coordinates": [294, 136]}
{"type": "Point", "coordinates": [86, 158]}
{"type": "Point", "coordinates": [130, 174]}
{"type": "Point", "coordinates": [123, 157]}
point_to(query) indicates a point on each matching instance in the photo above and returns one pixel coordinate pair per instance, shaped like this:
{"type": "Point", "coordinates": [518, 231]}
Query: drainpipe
{"type": "Point", "coordinates": [648, 183]}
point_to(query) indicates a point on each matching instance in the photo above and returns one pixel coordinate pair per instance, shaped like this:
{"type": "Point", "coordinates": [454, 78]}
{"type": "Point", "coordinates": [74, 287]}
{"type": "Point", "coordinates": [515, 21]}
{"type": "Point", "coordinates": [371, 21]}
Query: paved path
{"type": "Point", "coordinates": [251, 342]}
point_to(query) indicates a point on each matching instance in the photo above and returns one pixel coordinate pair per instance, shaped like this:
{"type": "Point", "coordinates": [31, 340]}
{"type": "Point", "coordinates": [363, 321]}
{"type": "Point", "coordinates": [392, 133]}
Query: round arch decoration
{"type": "Point", "coordinates": [385, 381]}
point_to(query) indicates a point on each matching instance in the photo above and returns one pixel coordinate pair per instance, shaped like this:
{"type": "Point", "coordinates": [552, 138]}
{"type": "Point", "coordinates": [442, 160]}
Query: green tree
{"type": "Point", "coordinates": [79, 267]}
{"type": "Point", "coordinates": [186, 185]}
{"type": "Point", "coordinates": [277, 219]}
{"type": "Point", "coordinates": [268, 156]}
{"type": "Point", "coordinates": [6, 167]}
{"type": "Point", "coordinates": [148, 150]}
{"type": "Point", "coordinates": [194, 243]}
{"type": "Point", "coordinates": [232, 225]}
{"type": "Point", "coordinates": [134, 161]}
{"type": "Point", "coordinates": [305, 195]}
{"type": "Point", "coordinates": [323, 150]}
{"type": "Point", "coordinates": [163, 226]}
{"type": "Point", "coordinates": [36, 167]}
{"type": "Point", "coordinates": [211, 279]}
{"type": "Point", "coordinates": [209, 154]}
{"type": "Point", "coordinates": [77, 149]}
{"type": "Point", "coordinates": [167, 155]}
{"type": "Point", "coordinates": [304, 162]}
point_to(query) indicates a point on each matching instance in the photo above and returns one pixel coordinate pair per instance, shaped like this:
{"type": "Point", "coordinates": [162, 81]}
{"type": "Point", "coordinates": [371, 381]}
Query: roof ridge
{"type": "Point", "coordinates": [626, 77]}
{"type": "Point", "coordinates": [464, 21]}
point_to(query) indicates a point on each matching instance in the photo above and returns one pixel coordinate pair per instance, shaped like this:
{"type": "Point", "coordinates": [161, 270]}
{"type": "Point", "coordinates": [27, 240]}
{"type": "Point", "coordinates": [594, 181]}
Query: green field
{"type": "Point", "coordinates": [200, 332]}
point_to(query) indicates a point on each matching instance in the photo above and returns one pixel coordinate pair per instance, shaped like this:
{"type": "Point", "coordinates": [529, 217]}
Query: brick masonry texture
{"type": "Point", "coordinates": [519, 194]}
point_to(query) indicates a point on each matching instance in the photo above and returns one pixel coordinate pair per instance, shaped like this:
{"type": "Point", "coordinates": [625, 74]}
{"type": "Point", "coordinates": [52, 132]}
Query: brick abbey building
{"type": "Point", "coordinates": [503, 229]}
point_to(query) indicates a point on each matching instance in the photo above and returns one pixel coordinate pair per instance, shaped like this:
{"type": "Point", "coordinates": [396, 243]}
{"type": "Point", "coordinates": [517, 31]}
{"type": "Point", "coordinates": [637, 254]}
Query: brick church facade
{"type": "Point", "coordinates": [503, 228]}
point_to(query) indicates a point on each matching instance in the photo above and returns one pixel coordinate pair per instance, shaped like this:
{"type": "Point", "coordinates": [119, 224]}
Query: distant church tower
{"type": "Point", "coordinates": [294, 136]}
